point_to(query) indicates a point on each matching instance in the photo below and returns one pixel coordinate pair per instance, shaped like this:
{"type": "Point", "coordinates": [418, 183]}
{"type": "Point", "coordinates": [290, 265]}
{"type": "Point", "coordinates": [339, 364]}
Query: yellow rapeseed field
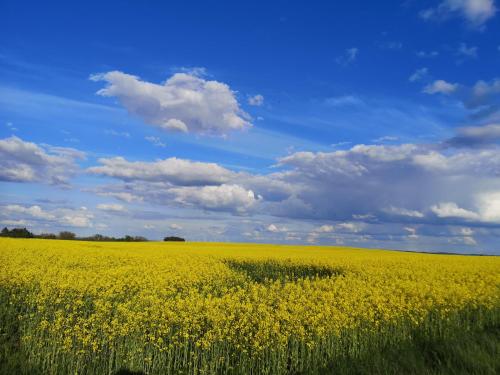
{"type": "Point", "coordinates": [90, 307]}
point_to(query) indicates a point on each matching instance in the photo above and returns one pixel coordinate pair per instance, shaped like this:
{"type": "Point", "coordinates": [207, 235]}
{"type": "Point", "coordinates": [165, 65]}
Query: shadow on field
{"type": "Point", "coordinates": [271, 270]}
{"type": "Point", "coordinates": [128, 372]}
{"type": "Point", "coordinates": [464, 353]}
{"type": "Point", "coordinates": [13, 358]}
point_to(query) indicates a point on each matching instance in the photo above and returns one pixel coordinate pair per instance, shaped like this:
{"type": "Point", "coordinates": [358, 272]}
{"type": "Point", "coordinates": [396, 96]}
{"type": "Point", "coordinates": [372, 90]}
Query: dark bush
{"type": "Point", "coordinates": [47, 236]}
{"type": "Point", "coordinates": [16, 233]}
{"type": "Point", "coordinates": [174, 238]}
{"type": "Point", "coordinates": [65, 235]}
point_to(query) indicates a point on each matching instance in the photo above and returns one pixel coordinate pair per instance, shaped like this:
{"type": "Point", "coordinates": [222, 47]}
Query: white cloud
{"type": "Point", "coordinates": [184, 102]}
{"type": "Point", "coordinates": [14, 222]}
{"type": "Point", "coordinates": [325, 228]}
{"type": "Point", "coordinates": [346, 100]}
{"type": "Point", "coordinates": [121, 195]}
{"type": "Point", "coordinates": [469, 241]}
{"type": "Point", "coordinates": [273, 228]}
{"type": "Point", "coordinates": [466, 231]}
{"type": "Point", "coordinates": [475, 12]}
{"type": "Point", "coordinates": [171, 170]}
{"type": "Point", "coordinates": [33, 211]}
{"type": "Point", "coordinates": [231, 198]}
{"type": "Point", "coordinates": [427, 54]}
{"type": "Point", "coordinates": [440, 87]}
{"type": "Point", "coordinates": [22, 161]}
{"type": "Point", "coordinates": [412, 232]}
{"type": "Point", "coordinates": [451, 209]}
{"type": "Point", "coordinates": [351, 227]}
{"type": "Point", "coordinates": [419, 74]}
{"type": "Point", "coordinates": [11, 126]}
{"type": "Point", "coordinates": [404, 212]}
{"type": "Point", "coordinates": [349, 56]}
{"type": "Point", "coordinates": [197, 71]}
{"type": "Point", "coordinates": [111, 207]}
{"type": "Point", "coordinates": [256, 100]}
{"type": "Point", "coordinates": [473, 136]}
{"type": "Point", "coordinates": [81, 217]}
{"type": "Point", "coordinates": [425, 184]}
{"type": "Point", "coordinates": [389, 45]}
{"type": "Point", "coordinates": [377, 178]}
{"type": "Point", "coordinates": [484, 95]}
{"type": "Point", "coordinates": [489, 206]}
{"type": "Point", "coordinates": [386, 138]}
{"type": "Point", "coordinates": [464, 50]}
{"type": "Point", "coordinates": [78, 221]}
{"type": "Point", "coordinates": [116, 133]}
{"type": "Point", "coordinates": [155, 141]}
{"type": "Point", "coordinates": [175, 226]}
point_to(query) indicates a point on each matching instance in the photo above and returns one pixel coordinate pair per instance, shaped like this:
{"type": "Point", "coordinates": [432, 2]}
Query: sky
{"type": "Point", "coordinates": [361, 123]}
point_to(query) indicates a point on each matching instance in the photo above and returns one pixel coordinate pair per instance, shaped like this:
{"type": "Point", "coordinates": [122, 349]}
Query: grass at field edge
{"type": "Point", "coordinates": [467, 353]}
{"type": "Point", "coordinates": [473, 352]}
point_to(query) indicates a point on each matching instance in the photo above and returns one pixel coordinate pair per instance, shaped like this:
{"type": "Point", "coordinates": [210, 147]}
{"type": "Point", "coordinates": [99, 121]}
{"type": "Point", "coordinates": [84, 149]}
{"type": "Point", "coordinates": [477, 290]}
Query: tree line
{"type": "Point", "coordinates": [66, 235]}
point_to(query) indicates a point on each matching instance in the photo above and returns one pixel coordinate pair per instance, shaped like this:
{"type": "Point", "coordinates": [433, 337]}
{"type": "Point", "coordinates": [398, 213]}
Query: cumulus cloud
{"type": "Point", "coordinates": [171, 170]}
{"type": "Point", "coordinates": [351, 227]}
{"type": "Point", "coordinates": [451, 209]}
{"type": "Point", "coordinates": [232, 198]}
{"type": "Point", "coordinates": [475, 12]}
{"type": "Point", "coordinates": [256, 100]}
{"type": "Point", "coordinates": [378, 179]}
{"type": "Point", "coordinates": [22, 161]}
{"type": "Point", "coordinates": [476, 136]}
{"type": "Point", "coordinates": [111, 207]}
{"type": "Point", "coordinates": [325, 228]}
{"type": "Point", "coordinates": [486, 204]}
{"type": "Point", "coordinates": [482, 98]}
{"type": "Point", "coordinates": [185, 102]}
{"type": "Point", "coordinates": [65, 217]}
{"type": "Point", "coordinates": [440, 87]}
{"type": "Point", "coordinates": [124, 196]}
{"type": "Point", "coordinates": [356, 188]}
{"type": "Point", "coordinates": [484, 95]}
{"type": "Point", "coordinates": [274, 228]}
{"type": "Point", "coordinates": [33, 211]}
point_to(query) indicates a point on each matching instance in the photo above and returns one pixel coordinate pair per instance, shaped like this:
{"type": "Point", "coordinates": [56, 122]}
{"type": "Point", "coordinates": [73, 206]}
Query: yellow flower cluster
{"type": "Point", "coordinates": [89, 307]}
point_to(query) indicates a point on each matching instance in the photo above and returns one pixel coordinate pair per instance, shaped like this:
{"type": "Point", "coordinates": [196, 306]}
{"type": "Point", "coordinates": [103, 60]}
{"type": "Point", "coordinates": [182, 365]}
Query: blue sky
{"type": "Point", "coordinates": [361, 123]}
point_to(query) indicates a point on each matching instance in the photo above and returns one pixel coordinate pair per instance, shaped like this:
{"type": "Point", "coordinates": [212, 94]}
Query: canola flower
{"type": "Point", "coordinates": [199, 308]}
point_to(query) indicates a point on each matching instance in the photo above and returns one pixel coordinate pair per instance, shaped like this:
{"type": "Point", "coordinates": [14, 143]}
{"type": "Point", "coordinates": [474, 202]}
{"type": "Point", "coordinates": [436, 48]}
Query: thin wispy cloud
{"type": "Point", "coordinates": [348, 57]}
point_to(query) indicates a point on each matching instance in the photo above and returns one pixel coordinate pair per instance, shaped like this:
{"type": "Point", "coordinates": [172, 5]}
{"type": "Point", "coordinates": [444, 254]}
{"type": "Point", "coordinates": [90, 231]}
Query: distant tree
{"type": "Point", "coordinates": [128, 238]}
{"type": "Point", "coordinates": [5, 232]}
{"type": "Point", "coordinates": [174, 238]}
{"type": "Point", "coordinates": [47, 236]}
{"type": "Point", "coordinates": [20, 233]}
{"type": "Point", "coordinates": [96, 237]}
{"type": "Point", "coordinates": [65, 235]}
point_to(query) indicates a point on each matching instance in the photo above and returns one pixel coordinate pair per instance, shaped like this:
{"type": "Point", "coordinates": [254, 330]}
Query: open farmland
{"type": "Point", "coordinates": [201, 308]}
